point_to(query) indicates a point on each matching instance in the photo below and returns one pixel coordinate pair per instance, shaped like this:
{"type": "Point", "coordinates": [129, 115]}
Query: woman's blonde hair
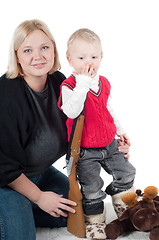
{"type": "Point", "coordinates": [83, 33]}
{"type": "Point", "coordinates": [21, 32]}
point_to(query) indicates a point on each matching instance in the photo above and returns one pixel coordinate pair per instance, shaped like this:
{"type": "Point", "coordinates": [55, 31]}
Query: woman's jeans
{"type": "Point", "coordinates": [19, 216]}
{"type": "Point", "coordinates": [89, 166]}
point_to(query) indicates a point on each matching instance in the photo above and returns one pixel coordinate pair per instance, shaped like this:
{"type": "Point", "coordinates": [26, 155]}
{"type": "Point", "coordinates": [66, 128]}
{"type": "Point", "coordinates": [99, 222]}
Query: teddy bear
{"type": "Point", "coordinates": [140, 215]}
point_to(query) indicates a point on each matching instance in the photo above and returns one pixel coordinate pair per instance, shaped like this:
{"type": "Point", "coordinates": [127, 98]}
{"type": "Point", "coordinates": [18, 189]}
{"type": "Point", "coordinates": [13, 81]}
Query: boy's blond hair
{"type": "Point", "coordinates": [21, 32]}
{"type": "Point", "coordinates": [85, 34]}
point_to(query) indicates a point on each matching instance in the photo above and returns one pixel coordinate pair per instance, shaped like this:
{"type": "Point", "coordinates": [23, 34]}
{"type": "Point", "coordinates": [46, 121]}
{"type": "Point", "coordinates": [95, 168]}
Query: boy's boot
{"type": "Point", "coordinates": [95, 226]}
{"type": "Point", "coordinates": [118, 204]}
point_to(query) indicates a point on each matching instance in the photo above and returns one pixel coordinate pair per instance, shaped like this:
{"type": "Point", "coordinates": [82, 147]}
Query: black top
{"type": "Point", "coordinates": [33, 131]}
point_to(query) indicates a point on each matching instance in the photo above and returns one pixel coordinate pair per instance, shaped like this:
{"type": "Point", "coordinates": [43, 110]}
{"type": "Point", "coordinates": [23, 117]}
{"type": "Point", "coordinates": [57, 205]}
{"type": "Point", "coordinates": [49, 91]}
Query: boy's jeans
{"type": "Point", "coordinates": [18, 216]}
{"type": "Point", "coordinates": [89, 166]}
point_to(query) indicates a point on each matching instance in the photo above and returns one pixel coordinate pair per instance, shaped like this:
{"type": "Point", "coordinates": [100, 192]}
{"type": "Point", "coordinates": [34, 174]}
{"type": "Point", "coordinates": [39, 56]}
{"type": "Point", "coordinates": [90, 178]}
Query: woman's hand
{"type": "Point", "coordinates": [54, 204]}
{"type": "Point", "coordinates": [49, 202]}
{"type": "Point", "coordinates": [124, 147]}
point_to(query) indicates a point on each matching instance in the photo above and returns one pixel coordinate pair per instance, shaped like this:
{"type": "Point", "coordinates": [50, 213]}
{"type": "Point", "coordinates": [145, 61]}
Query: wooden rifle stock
{"type": "Point", "coordinates": [76, 221]}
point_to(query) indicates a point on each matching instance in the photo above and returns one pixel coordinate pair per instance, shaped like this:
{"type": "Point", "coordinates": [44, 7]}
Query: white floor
{"type": "Point", "coordinates": [63, 234]}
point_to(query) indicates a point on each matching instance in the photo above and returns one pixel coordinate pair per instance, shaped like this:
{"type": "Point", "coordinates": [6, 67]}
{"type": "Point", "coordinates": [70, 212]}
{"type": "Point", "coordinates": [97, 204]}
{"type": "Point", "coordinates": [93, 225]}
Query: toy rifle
{"type": "Point", "coordinates": [75, 221]}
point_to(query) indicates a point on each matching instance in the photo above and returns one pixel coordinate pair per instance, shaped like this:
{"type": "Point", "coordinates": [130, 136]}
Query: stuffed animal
{"type": "Point", "coordinates": [140, 215]}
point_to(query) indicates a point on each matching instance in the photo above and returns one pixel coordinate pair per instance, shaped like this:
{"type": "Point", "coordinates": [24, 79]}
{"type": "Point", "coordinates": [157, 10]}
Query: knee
{"type": "Point", "coordinates": [17, 228]}
{"type": "Point", "coordinates": [16, 218]}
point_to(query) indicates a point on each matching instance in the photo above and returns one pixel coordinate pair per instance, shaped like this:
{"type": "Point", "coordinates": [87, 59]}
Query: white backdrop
{"type": "Point", "coordinates": [129, 33]}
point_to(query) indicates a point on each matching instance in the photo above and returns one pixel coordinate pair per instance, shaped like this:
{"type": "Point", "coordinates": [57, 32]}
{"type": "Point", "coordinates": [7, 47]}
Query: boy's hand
{"type": "Point", "coordinates": [88, 70]}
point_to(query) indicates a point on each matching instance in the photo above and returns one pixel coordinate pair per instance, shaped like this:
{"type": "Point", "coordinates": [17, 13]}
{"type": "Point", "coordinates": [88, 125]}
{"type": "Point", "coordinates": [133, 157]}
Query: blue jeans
{"type": "Point", "coordinates": [19, 216]}
{"type": "Point", "coordinates": [89, 166]}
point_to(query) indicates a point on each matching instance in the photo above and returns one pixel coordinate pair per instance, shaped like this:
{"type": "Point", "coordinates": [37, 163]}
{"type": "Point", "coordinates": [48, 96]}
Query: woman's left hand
{"type": "Point", "coordinates": [124, 147]}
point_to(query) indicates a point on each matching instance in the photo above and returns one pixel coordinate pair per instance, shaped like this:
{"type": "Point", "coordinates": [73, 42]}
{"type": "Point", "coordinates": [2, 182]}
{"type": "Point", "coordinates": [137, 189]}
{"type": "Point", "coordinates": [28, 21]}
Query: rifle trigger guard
{"type": "Point", "coordinates": [69, 165]}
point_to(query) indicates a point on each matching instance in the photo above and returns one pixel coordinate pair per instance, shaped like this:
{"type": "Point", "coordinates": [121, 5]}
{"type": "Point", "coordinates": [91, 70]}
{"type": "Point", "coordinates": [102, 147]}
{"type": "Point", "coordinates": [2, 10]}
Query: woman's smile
{"type": "Point", "coordinates": [39, 65]}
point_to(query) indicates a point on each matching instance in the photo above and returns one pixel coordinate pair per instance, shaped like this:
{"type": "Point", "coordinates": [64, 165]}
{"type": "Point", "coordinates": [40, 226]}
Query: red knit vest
{"type": "Point", "coordinates": [99, 129]}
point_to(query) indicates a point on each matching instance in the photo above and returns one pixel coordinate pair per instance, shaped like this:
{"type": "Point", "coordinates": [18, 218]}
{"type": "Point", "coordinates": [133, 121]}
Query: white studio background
{"type": "Point", "coordinates": [129, 33]}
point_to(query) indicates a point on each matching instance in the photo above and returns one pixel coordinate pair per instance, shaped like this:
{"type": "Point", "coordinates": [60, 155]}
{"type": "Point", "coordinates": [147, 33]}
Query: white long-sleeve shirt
{"type": "Point", "coordinates": [73, 100]}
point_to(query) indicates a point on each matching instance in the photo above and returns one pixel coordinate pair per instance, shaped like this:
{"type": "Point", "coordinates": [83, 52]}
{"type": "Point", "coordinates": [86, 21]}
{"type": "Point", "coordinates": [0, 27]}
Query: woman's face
{"type": "Point", "coordinates": [36, 54]}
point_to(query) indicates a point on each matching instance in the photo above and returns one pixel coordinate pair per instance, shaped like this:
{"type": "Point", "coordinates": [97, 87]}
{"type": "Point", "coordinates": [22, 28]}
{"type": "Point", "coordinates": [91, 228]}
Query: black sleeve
{"type": "Point", "coordinates": [11, 154]}
{"type": "Point", "coordinates": [12, 157]}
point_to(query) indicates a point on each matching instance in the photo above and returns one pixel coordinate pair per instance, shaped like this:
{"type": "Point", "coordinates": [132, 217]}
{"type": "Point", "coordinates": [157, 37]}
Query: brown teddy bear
{"type": "Point", "coordinates": [140, 215]}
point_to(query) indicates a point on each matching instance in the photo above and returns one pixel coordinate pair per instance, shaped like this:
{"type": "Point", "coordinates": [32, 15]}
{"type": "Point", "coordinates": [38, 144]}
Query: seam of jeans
{"type": "Point", "coordinates": [1, 229]}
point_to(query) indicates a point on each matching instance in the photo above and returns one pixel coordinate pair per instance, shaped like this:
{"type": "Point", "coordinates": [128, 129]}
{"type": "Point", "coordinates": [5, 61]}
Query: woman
{"type": "Point", "coordinates": [33, 136]}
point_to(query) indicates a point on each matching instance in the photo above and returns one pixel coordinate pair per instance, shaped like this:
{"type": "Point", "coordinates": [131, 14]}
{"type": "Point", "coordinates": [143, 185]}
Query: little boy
{"type": "Point", "coordinates": [99, 148]}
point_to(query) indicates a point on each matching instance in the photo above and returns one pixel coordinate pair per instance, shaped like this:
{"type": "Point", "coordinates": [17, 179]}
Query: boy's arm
{"type": "Point", "coordinates": [73, 100]}
{"type": "Point", "coordinates": [120, 130]}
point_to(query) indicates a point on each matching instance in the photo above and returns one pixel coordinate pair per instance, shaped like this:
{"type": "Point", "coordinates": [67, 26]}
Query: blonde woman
{"type": "Point", "coordinates": [33, 136]}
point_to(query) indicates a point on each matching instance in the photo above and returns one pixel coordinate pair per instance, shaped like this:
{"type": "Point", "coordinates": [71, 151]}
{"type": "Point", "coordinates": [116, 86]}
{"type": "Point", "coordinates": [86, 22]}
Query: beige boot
{"type": "Point", "coordinates": [118, 204]}
{"type": "Point", "coordinates": [95, 227]}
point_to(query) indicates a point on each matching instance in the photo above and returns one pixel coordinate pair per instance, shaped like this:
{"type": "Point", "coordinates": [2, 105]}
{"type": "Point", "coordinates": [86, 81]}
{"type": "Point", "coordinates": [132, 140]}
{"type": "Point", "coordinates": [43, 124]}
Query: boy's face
{"type": "Point", "coordinates": [84, 53]}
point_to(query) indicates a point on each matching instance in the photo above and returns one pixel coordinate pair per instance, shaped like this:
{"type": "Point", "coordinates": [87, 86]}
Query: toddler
{"type": "Point", "coordinates": [99, 148]}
